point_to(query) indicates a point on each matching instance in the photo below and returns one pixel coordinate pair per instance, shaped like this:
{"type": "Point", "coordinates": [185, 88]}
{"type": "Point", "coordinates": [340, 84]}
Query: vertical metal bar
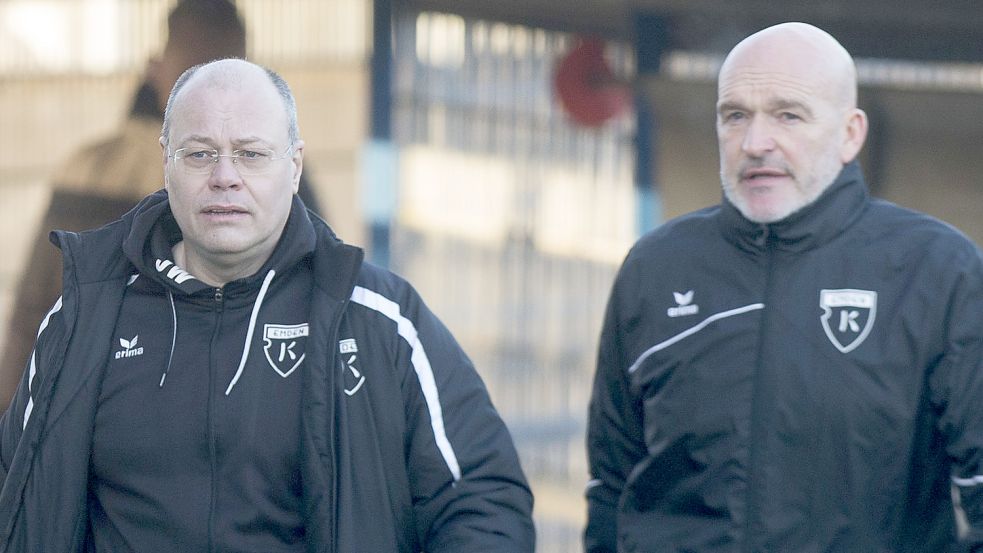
{"type": "Point", "coordinates": [653, 40]}
{"type": "Point", "coordinates": [646, 189]}
{"type": "Point", "coordinates": [379, 167]}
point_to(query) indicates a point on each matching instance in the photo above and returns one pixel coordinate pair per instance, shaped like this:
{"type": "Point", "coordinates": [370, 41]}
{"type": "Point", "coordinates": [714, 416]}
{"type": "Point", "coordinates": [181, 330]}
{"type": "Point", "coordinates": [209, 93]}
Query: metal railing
{"type": "Point", "coordinates": [511, 222]}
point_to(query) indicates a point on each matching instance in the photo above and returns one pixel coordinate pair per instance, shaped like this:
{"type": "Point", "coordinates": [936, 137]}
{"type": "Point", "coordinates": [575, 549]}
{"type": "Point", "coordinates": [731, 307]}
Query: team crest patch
{"type": "Point", "coordinates": [353, 377]}
{"type": "Point", "coordinates": [848, 316]}
{"type": "Point", "coordinates": [284, 346]}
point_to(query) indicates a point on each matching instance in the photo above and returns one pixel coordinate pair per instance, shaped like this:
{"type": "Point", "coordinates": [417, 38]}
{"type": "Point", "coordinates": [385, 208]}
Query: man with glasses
{"type": "Point", "coordinates": [223, 374]}
{"type": "Point", "coordinates": [106, 178]}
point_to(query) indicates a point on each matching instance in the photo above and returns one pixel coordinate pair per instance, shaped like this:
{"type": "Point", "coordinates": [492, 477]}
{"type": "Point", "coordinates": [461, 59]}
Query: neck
{"type": "Point", "coordinates": [217, 271]}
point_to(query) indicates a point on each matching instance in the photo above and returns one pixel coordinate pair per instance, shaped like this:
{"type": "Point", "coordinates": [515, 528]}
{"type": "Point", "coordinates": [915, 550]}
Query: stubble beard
{"type": "Point", "coordinates": [808, 188]}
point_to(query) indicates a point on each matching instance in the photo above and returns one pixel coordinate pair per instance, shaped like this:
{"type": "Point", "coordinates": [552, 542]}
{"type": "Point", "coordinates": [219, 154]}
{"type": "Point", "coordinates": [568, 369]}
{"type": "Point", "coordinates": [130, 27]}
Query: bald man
{"type": "Point", "coordinates": [799, 368]}
{"type": "Point", "coordinates": [223, 374]}
{"type": "Point", "coordinates": [105, 178]}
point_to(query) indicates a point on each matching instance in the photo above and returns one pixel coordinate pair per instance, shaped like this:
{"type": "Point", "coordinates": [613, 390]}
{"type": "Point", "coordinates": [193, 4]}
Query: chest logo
{"type": "Point", "coordinates": [130, 348]}
{"type": "Point", "coordinates": [848, 315]}
{"type": "Point", "coordinates": [684, 305]}
{"type": "Point", "coordinates": [284, 346]}
{"type": "Point", "coordinates": [353, 377]}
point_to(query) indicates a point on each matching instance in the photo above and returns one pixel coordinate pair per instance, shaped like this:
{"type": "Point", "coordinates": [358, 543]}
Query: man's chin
{"type": "Point", "coordinates": [757, 206]}
{"type": "Point", "coordinates": [765, 212]}
{"type": "Point", "coordinates": [224, 248]}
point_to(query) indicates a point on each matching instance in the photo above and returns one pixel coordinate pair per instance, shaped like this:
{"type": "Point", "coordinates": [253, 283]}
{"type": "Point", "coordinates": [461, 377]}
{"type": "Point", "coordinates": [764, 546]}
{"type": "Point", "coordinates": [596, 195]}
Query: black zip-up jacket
{"type": "Point", "coordinates": [400, 448]}
{"type": "Point", "coordinates": [811, 385]}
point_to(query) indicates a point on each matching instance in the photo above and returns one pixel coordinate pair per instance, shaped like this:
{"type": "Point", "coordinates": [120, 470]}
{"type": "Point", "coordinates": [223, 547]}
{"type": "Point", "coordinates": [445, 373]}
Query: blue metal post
{"type": "Point", "coordinates": [379, 165]}
{"type": "Point", "coordinates": [652, 32]}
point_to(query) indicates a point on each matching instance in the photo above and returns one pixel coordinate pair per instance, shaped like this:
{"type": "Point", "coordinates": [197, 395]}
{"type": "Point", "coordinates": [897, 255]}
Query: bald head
{"type": "Point", "coordinates": [232, 73]}
{"type": "Point", "coordinates": [802, 51]}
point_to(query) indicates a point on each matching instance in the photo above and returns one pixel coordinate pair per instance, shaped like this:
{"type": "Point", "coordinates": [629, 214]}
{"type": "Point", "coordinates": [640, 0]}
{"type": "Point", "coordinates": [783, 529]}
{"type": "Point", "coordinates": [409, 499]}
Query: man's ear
{"type": "Point", "coordinates": [298, 160]}
{"type": "Point", "coordinates": [856, 134]}
{"type": "Point", "coordinates": [163, 153]}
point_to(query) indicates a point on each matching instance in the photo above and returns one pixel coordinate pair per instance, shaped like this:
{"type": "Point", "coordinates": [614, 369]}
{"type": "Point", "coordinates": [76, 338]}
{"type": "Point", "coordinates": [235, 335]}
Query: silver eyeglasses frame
{"type": "Point", "coordinates": [239, 157]}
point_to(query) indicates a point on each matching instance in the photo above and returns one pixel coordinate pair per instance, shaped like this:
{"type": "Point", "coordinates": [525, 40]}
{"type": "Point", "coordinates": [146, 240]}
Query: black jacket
{"type": "Point", "coordinates": [400, 450]}
{"type": "Point", "coordinates": [812, 385]}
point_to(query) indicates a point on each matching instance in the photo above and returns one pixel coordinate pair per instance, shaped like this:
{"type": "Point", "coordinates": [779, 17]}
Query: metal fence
{"type": "Point", "coordinates": [511, 222]}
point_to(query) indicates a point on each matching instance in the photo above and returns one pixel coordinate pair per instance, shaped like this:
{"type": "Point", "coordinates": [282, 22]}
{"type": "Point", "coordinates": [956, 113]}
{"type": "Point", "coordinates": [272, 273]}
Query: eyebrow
{"type": "Point", "coordinates": [196, 138]}
{"type": "Point", "coordinates": [774, 105]}
{"type": "Point", "coordinates": [236, 143]}
{"type": "Point", "coordinates": [783, 103]}
{"type": "Point", "coordinates": [729, 106]}
{"type": "Point", "coordinates": [250, 140]}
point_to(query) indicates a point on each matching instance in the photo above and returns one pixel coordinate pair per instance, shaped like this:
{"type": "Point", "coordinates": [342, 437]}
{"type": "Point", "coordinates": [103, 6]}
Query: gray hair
{"type": "Point", "coordinates": [289, 104]}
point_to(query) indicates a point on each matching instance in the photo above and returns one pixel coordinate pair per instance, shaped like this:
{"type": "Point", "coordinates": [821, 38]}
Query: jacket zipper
{"type": "Point", "coordinates": [756, 448]}
{"type": "Point", "coordinates": [219, 304]}
{"type": "Point", "coordinates": [334, 357]}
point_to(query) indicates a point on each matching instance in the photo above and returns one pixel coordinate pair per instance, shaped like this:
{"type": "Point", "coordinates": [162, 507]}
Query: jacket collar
{"type": "Point", "coordinates": [816, 224]}
{"type": "Point", "coordinates": [152, 232]}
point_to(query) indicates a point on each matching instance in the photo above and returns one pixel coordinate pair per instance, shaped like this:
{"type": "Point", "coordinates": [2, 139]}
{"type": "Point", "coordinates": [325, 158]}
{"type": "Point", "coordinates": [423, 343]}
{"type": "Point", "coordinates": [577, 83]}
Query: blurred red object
{"type": "Point", "coordinates": [587, 87]}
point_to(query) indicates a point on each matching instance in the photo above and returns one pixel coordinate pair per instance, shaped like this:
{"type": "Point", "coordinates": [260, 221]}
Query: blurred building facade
{"type": "Point", "coordinates": [509, 218]}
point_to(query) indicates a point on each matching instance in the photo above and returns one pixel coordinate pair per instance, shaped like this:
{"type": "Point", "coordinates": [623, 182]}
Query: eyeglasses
{"type": "Point", "coordinates": [203, 160]}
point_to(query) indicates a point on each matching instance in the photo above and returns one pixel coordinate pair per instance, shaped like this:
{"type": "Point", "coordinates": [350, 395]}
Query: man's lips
{"type": "Point", "coordinates": [762, 173]}
{"type": "Point", "coordinates": [224, 211]}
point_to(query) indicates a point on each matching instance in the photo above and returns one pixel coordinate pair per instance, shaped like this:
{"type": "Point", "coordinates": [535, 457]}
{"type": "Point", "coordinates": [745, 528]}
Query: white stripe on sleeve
{"type": "Point", "coordinates": [34, 369]}
{"type": "Point", "coordinates": [421, 365]}
{"type": "Point", "coordinates": [967, 482]}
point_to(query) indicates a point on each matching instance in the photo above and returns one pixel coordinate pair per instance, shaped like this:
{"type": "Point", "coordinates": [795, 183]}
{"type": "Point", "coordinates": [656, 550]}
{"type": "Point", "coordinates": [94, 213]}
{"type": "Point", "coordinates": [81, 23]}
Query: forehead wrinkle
{"type": "Point", "coordinates": [758, 79]}
{"type": "Point", "coordinates": [774, 89]}
{"type": "Point", "coordinates": [195, 138]}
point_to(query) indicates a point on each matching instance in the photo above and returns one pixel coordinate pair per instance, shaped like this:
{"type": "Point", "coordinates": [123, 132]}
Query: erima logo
{"type": "Point", "coordinates": [684, 306]}
{"type": "Point", "coordinates": [175, 273]}
{"type": "Point", "coordinates": [353, 377]}
{"type": "Point", "coordinates": [130, 348]}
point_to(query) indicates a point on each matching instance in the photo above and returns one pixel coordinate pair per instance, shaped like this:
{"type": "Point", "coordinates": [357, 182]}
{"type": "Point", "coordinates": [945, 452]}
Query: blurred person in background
{"type": "Point", "coordinates": [106, 178]}
{"type": "Point", "coordinates": [799, 368]}
{"type": "Point", "coordinates": [222, 373]}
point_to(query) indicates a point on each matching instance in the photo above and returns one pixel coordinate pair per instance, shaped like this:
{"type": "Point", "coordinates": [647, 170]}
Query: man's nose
{"type": "Point", "coordinates": [759, 137]}
{"type": "Point", "coordinates": [225, 173]}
